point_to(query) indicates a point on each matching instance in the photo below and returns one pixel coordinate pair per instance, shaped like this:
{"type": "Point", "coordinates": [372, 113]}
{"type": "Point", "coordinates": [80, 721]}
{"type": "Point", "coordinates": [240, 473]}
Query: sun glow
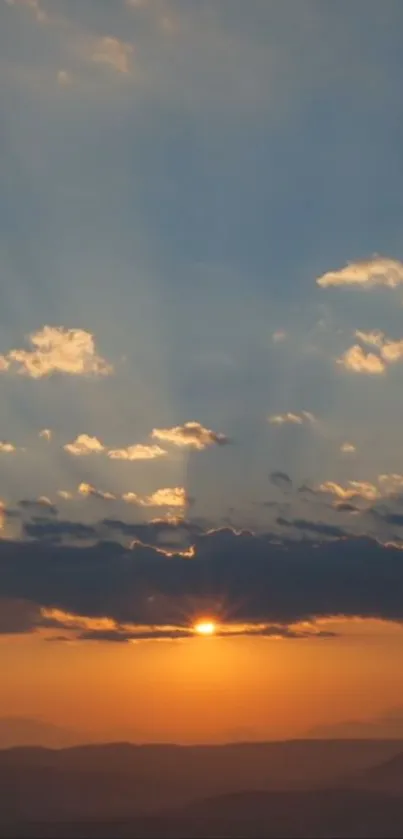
{"type": "Point", "coordinates": [205, 628]}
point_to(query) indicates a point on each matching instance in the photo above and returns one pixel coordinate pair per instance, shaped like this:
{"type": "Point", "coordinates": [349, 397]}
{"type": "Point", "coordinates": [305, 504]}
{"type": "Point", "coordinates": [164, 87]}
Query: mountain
{"type": "Point", "coordinates": [387, 726]}
{"type": "Point", "coordinates": [23, 731]}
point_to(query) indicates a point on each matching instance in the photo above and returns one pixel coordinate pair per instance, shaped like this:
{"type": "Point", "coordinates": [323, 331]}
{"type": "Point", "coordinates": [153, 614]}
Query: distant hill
{"type": "Point", "coordinates": [123, 781]}
{"type": "Point", "coordinates": [24, 731]}
{"type": "Point", "coordinates": [387, 726]}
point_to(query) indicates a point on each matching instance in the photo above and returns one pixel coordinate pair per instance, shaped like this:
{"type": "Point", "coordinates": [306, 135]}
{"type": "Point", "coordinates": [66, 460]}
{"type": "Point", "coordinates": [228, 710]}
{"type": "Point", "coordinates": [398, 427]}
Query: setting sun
{"type": "Point", "coordinates": [205, 628]}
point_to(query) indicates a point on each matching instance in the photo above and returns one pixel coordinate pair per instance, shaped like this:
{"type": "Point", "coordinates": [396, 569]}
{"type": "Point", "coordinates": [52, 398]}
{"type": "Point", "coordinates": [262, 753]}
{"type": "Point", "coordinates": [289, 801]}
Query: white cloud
{"type": "Point", "coordinates": [89, 490]}
{"type": "Point", "coordinates": [358, 361]}
{"type": "Point", "coordinates": [113, 52]}
{"type": "Point", "coordinates": [295, 419]}
{"type": "Point", "coordinates": [7, 448]}
{"type": "Point", "coordinates": [166, 497]}
{"type": "Point", "coordinates": [137, 452]}
{"type": "Point", "coordinates": [46, 433]}
{"type": "Point", "coordinates": [378, 271]}
{"type": "Point", "coordinates": [347, 448]}
{"type": "Point", "coordinates": [84, 445]}
{"type": "Point", "coordinates": [190, 434]}
{"type": "Point", "coordinates": [57, 350]}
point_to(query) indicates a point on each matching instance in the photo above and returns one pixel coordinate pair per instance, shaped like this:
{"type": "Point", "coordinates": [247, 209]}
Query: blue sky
{"type": "Point", "coordinates": [175, 178]}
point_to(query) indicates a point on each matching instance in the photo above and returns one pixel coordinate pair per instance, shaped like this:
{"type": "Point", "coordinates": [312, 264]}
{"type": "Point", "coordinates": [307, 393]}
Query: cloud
{"type": "Point", "coordinates": [190, 434]}
{"type": "Point", "coordinates": [33, 5]}
{"type": "Point", "coordinates": [7, 448]}
{"type": "Point", "coordinates": [137, 452]}
{"type": "Point", "coordinates": [239, 578]}
{"type": "Point", "coordinates": [345, 507]}
{"type": "Point", "coordinates": [281, 479]}
{"type": "Point", "coordinates": [57, 350]}
{"type": "Point", "coordinates": [166, 497]}
{"type": "Point", "coordinates": [18, 616]}
{"type": "Point", "coordinates": [348, 448]}
{"type": "Point", "coordinates": [84, 445]}
{"type": "Point", "coordinates": [46, 433]}
{"type": "Point", "coordinates": [391, 483]}
{"type": "Point", "coordinates": [38, 504]}
{"type": "Point", "coordinates": [65, 494]}
{"type": "Point", "coordinates": [332, 531]}
{"type": "Point", "coordinates": [279, 336]}
{"type": "Point", "coordinates": [113, 52]}
{"type": "Point", "coordinates": [56, 531]}
{"type": "Point", "coordinates": [356, 489]}
{"type": "Point", "coordinates": [378, 271]}
{"type": "Point", "coordinates": [64, 78]}
{"type": "Point", "coordinates": [358, 361]}
{"type": "Point", "coordinates": [90, 491]}
{"type": "Point", "coordinates": [296, 419]}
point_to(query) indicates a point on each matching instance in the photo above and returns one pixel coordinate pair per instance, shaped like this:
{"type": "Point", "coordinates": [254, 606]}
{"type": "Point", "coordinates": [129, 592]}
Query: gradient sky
{"type": "Point", "coordinates": [201, 355]}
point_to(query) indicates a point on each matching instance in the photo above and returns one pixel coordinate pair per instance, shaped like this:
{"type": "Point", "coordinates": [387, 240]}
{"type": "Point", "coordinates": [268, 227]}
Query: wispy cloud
{"type": "Point", "coordinates": [137, 452]}
{"type": "Point", "coordinates": [33, 6]}
{"type": "Point", "coordinates": [190, 434]}
{"type": "Point", "coordinates": [378, 271]}
{"type": "Point", "coordinates": [113, 52]}
{"type": "Point", "coordinates": [57, 350]}
{"type": "Point", "coordinates": [362, 489]}
{"type": "Point", "coordinates": [294, 419]}
{"type": "Point", "coordinates": [45, 433]}
{"type": "Point", "coordinates": [348, 448]}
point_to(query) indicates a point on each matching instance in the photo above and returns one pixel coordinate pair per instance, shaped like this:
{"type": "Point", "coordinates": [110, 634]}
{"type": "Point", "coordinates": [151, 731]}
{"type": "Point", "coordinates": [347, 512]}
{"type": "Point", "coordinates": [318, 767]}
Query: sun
{"type": "Point", "coordinates": [205, 627]}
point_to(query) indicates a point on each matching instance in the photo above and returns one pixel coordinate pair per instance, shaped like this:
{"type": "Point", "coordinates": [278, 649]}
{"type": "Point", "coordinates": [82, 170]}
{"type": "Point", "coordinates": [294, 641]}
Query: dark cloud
{"type": "Point", "coordinates": [18, 615]}
{"type": "Point", "coordinates": [38, 505]}
{"type": "Point", "coordinates": [241, 577]}
{"type": "Point", "coordinates": [56, 531]}
{"type": "Point", "coordinates": [321, 528]}
{"type": "Point", "coordinates": [163, 534]}
{"type": "Point", "coordinates": [281, 480]}
{"type": "Point", "coordinates": [345, 507]}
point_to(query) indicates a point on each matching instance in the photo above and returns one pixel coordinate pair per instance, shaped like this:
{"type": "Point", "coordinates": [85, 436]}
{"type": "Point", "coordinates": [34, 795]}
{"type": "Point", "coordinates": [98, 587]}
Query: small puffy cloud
{"type": "Point", "coordinates": [65, 494]}
{"type": "Point", "coordinates": [57, 350]}
{"type": "Point", "coordinates": [84, 445]}
{"type": "Point", "coordinates": [113, 52]}
{"type": "Point", "coordinates": [378, 271]}
{"type": "Point", "coordinates": [166, 497]}
{"type": "Point", "coordinates": [64, 78]}
{"type": "Point", "coordinates": [90, 491]}
{"type": "Point", "coordinates": [355, 489]}
{"type": "Point", "coordinates": [356, 360]}
{"type": "Point", "coordinates": [278, 336]}
{"type": "Point", "coordinates": [7, 448]}
{"type": "Point", "coordinates": [295, 419]}
{"type": "Point", "coordinates": [190, 434]}
{"type": "Point", "coordinates": [348, 448]}
{"type": "Point", "coordinates": [46, 433]}
{"type": "Point", "coordinates": [137, 452]}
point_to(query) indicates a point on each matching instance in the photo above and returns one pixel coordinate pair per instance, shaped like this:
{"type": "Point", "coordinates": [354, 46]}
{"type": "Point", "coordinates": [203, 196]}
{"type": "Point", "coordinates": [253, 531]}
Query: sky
{"type": "Point", "coordinates": [201, 351]}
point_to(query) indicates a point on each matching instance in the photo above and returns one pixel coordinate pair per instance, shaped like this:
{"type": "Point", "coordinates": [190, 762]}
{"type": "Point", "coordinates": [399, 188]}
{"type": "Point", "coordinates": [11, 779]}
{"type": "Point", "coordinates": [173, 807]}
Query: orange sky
{"type": "Point", "coordinates": [204, 689]}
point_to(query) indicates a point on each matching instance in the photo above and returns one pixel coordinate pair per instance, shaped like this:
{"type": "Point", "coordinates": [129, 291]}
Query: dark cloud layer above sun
{"type": "Point", "coordinates": [239, 577]}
